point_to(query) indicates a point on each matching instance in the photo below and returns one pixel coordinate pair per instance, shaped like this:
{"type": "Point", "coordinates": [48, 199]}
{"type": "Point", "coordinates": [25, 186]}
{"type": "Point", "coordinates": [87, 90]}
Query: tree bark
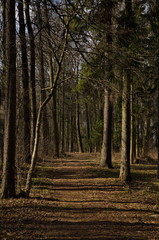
{"type": "Point", "coordinates": [55, 127]}
{"type": "Point", "coordinates": [8, 175]}
{"type": "Point", "coordinates": [72, 127]}
{"type": "Point", "coordinates": [32, 69]}
{"type": "Point", "coordinates": [45, 123]}
{"type": "Point", "coordinates": [88, 129]}
{"type": "Point", "coordinates": [106, 152]}
{"type": "Point", "coordinates": [3, 85]}
{"type": "Point", "coordinates": [54, 102]}
{"type": "Point", "coordinates": [62, 120]}
{"type": "Point", "coordinates": [78, 129]}
{"type": "Point", "coordinates": [25, 82]}
{"type": "Point", "coordinates": [132, 129]}
{"type": "Point", "coordinates": [38, 121]}
{"type": "Point", "coordinates": [157, 16]}
{"type": "Point", "coordinates": [158, 120]}
{"type": "Point", "coordinates": [125, 174]}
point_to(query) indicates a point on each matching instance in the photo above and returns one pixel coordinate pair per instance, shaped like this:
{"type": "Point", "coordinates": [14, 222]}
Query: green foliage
{"type": "Point", "coordinates": [77, 25]}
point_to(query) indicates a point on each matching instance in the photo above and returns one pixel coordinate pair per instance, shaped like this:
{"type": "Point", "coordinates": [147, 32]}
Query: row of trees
{"type": "Point", "coordinates": [77, 76]}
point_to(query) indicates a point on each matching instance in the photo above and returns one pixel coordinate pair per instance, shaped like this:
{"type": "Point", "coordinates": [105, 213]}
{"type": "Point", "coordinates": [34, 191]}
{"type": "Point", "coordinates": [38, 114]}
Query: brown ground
{"type": "Point", "coordinates": [73, 198]}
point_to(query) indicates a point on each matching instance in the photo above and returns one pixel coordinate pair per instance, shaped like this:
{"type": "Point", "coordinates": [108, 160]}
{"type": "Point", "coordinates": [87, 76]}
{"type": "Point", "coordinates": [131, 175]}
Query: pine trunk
{"type": "Point", "coordinates": [106, 152]}
{"type": "Point", "coordinates": [55, 128]}
{"type": "Point", "coordinates": [88, 129]}
{"type": "Point", "coordinates": [125, 174]}
{"type": "Point", "coordinates": [78, 129]}
{"type": "Point", "coordinates": [25, 82]}
{"type": "Point", "coordinates": [32, 70]}
{"type": "Point", "coordinates": [44, 120]}
{"type": "Point", "coordinates": [8, 175]}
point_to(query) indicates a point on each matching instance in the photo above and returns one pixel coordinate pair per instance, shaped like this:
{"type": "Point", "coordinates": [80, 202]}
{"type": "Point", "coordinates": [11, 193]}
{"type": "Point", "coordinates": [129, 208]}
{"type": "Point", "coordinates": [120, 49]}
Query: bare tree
{"type": "Point", "coordinates": [42, 105]}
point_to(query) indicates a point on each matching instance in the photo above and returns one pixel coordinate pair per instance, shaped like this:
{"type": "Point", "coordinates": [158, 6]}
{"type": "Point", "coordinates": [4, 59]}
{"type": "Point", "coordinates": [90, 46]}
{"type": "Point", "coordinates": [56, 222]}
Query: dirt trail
{"type": "Point", "coordinates": [72, 200]}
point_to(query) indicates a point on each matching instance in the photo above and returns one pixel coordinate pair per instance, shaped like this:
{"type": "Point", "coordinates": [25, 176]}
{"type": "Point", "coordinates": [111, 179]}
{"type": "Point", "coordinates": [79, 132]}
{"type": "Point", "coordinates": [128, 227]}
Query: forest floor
{"type": "Point", "coordinates": [73, 198]}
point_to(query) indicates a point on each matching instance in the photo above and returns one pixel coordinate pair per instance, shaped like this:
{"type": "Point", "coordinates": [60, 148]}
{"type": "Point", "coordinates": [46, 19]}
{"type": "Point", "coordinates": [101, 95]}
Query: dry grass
{"type": "Point", "coordinates": [74, 198]}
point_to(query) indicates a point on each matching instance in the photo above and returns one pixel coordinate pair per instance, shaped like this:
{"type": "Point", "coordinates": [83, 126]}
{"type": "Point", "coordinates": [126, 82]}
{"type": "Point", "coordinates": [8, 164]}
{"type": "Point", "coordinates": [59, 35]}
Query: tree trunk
{"type": "Point", "coordinates": [125, 174]}
{"type": "Point", "coordinates": [25, 82]}
{"type": "Point", "coordinates": [132, 129]}
{"type": "Point", "coordinates": [62, 120]}
{"type": "Point", "coordinates": [158, 124]}
{"type": "Point", "coordinates": [8, 175]}
{"type": "Point", "coordinates": [54, 105]}
{"type": "Point", "coordinates": [45, 124]}
{"type": "Point", "coordinates": [3, 85]}
{"type": "Point", "coordinates": [78, 129]}
{"type": "Point", "coordinates": [157, 175]}
{"type": "Point", "coordinates": [72, 126]}
{"type": "Point", "coordinates": [138, 139]}
{"type": "Point", "coordinates": [106, 152]}
{"type": "Point", "coordinates": [55, 128]}
{"type": "Point", "coordinates": [88, 129]}
{"type": "Point", "coordinates": [38, 121]}
{"type": "Point", "coordinates": [157, 15]}
{"type": "Point", "coordinates": [32, 69]}
{"type": "Point", "coordinates": [146, 137]}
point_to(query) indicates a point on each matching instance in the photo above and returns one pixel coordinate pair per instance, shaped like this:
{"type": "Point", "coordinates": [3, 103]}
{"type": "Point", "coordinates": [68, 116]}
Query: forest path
{"type": "Point", "coordinates": [73, 198]}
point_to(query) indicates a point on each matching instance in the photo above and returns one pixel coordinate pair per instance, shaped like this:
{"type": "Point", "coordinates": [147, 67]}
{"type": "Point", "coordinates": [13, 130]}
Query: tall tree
{"type": "Point", "coordinates": [106, 152]}
{"type": "Point", "coordinates": [157, 33]}
{"type": "Point", "coordinates": [45, 123]}
{"type": "Point", "coordinates": [125, 135]}
{"type": "Point", "coordinates": [2, 84]}
{"type": "Point", "coordinates": [51, 72]}
{"type": "Point", "coordinates": [25, 82]}
{"type": "Point", "coordinates": [32, 67]}
{"type": "Point", "coordinates": [125, 174]}
{"type": "Point", "coordinates": [78, 127]}
{"type": "Point", "coordinates": [106, 155]}
{"type": "Point", "coordinates": [8, 176]}
{"type": "Point", "coordinates": [52, 90]}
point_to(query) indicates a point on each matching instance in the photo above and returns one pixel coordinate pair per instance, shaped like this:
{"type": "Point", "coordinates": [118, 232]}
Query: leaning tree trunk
{"type": "Point", "coordinates": [38, 121]}
{"type": "Point", "coordinates": [8, 175]}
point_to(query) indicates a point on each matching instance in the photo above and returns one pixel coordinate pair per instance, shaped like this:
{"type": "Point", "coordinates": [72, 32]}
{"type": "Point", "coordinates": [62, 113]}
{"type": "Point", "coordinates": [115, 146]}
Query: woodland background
{"type": "Point", "coordinates": [77, 76]}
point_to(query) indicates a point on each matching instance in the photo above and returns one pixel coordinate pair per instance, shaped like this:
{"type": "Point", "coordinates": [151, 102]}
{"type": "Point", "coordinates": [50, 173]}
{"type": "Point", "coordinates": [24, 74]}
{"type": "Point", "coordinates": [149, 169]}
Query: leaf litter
{"type": "Point", "coordinates": [74, 198]}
